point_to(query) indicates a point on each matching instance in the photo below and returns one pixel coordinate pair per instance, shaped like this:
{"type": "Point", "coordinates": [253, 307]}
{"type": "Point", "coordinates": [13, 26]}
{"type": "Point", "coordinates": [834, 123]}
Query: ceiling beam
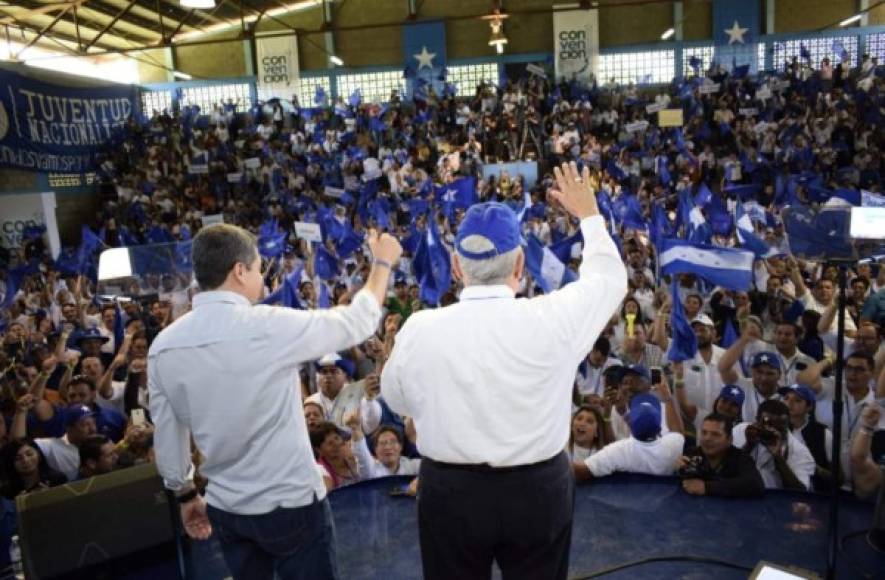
{"type": "Point", "coordinates": [44, 30]}
{"type": "Point", "coordinates": [39, 9]}
{"type": "Point", "coordinates": [109, 25]}
{"type": "Point", "coordinates": [146, 26]}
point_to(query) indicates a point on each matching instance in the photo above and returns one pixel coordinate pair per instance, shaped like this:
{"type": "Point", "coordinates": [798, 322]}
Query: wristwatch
{"type": "Point", "coordinates": [187, 496]}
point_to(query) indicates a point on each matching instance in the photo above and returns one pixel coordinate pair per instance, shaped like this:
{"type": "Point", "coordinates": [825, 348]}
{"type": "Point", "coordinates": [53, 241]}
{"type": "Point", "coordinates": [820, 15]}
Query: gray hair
{"type": "Point", "coordinates": [217, 248]}
{"type": "Point", "coordinates": [488, 272]}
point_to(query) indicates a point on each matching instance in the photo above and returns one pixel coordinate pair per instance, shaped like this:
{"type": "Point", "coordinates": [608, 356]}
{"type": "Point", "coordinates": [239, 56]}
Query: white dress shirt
{"type": "Point", "coordinates": [630, 455]}
{"type": "Point", "coordinates": [489, 380]}
{"type": "Point", "coordinates": [371, 468]}
{"type": "Point", "coordinates": [703, 383]}
{"type": "Point", "coordinates": [349, 399]}
{"type": "Point", "coordinates": [798, 457]}
{"type": "Point", "coordinates": [227, 372]}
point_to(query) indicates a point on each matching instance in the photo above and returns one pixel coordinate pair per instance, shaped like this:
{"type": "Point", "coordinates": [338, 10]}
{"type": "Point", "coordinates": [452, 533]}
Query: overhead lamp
{"type": "Point", "coordinates": [498, 40]}
{"type": "Point", "coordinates": [181, 75]}
{"type": "Point", "coordinates": [850, 21]}
{"type": "Point", "coordinates": [336, 61]}
{"type": "Point", "coordinates": [201, 4]}
{"type": "Point", "coordinates": [668, 33]}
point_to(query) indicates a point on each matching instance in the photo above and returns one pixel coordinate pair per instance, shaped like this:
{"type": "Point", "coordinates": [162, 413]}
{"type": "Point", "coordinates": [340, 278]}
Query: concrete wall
{"type": "Point", "coordinates": [802, 15]}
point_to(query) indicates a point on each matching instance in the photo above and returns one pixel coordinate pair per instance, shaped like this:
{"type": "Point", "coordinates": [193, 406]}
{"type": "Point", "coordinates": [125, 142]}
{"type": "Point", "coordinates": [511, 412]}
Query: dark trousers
{"type": "Point", "coordinates": [520, 517]}
{"type": "Point", "coordinates": [293, 543]}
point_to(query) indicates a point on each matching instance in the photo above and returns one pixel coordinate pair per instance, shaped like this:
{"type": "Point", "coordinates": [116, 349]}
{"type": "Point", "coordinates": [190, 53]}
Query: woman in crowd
{"type": "Point", "coordinates": [588, 433]}
{"type": "Point", "coordinates": [334, 456]}
{"type": "Point", "coordinates": [26, 470]}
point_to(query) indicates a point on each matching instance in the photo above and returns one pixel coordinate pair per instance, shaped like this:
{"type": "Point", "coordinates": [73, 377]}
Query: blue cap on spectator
{"type": "Point", "coordinates": [645, 416]}
{"type": "Point", "coordinates": [492, 221]}
{"type": "Point", "coordinates": [74, 413]}
{"type": "Point", "coordinates": [766, 358]}
{"type": "Point", "coordinates": [91, 334]}
{"type": "Point", "coordinates": [636, 369]}
{"type": "Point", "coordinates": [334, 360]}
{"type": "Point", "coordinates": [801, 390]}
{"type": "Point", "coordinates": [733, 393]}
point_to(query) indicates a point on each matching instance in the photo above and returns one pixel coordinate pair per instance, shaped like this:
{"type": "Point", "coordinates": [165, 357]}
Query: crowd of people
{"type": "Point", "coordinates": [751, 410]}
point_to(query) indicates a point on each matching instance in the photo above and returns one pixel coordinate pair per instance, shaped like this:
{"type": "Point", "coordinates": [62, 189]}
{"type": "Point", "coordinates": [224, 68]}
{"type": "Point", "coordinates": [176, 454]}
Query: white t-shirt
{"type": "Point", "coordinates": [61, 455]}
{"type": "Point", "coordinates": [656, 457]}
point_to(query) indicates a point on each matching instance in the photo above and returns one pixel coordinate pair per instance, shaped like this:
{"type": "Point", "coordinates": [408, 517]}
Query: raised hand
{"type": "Point", "coordinates": [573, 191]}
{"type": "Point", "coordinates": [384, 247]}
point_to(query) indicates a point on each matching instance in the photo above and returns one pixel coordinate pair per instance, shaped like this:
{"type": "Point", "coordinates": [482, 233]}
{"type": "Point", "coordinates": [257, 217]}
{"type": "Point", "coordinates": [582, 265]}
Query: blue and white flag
{"type": "Point", "coordinates": [432, 265]}
{"type": "Point", "coordinates": [424, 55]}
{"type": "Point", "coordinates": [746, 235]}
{"type": "Point", "coordinates": [460, 193]}
{"type": "Point", "coordinates": [287, 293]}
{"type": "Point", "coordinates": [563, 248]}
{"type": "Point", "coordinates": [818, 235]}
{"type": "Point", "coordinates": [870, 199]}
{"type": "Point", "coordinates": [684, 344]}
{"type": "Point", "coordinates": [325, 264]}
{"type": "Point", "coordinates": [726, 267]}
{"type": "Point", "coordinates": [272, 246]}
{"type": "Point", "coordinates": [736, 27]}
{"type": "Point", "coordinates": [547, 270]}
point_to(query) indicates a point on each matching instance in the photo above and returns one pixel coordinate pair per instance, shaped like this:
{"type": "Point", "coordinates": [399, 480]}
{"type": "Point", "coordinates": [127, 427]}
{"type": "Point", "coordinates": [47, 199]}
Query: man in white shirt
{"type": "Point", "coordinates": [488, 382]}
{"type": "Point", "coordinates": [645, 451]}
{"type": "Point", "coordinates": [339, 399]}
{"type": "Point", "coordinates": [699, 376]}
{"type": "Point", "coordinates": [783, 461]}
{"type": "Point", "coordinates": [63, 453]}
{"type": "Point", "coordinates": [226, 375]}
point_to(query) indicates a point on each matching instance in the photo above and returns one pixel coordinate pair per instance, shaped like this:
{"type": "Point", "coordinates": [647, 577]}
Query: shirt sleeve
{"type": "Point", "coordinates": [606, 461]}
{"type": "Point", "coordinates": [802, 464]}
{"type": "Point", "coordinates": [370, 411]}
{"type": "Point", "coordinates": [171, 437]}
{"type": "Point", "coordinates": [310, 334]}
{"type": "Point", "coordinates": [392, 388]}
{"type": "Point", "coordinates": [578, 312]}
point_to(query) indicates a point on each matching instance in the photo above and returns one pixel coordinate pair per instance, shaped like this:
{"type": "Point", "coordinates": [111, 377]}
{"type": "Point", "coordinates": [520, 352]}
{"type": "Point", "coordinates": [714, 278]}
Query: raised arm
{"type": "Point", "coordinates": [865, 473]}
{"type": "Point", "coordinates": [734, 353]}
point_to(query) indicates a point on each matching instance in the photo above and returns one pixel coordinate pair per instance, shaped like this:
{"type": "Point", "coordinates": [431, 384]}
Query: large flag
{"type": "Point", "coordinates": [547, 270]}
{"type": "Point", "coordinates": [736, 28]}
{"type": "Point", "coordinates": [684, 344]}
{"type": "Point", "coordinates": [818, 235]}
{"type": "Point", "coordinates": [424, 55]}
{"type": "Point", "coordinates": [726, 267]}
{"type": "Point", "coordinates": [432, 265]}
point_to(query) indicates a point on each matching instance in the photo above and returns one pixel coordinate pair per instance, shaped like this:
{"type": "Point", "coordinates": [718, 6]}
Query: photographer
{"type": "Point", "coordinates": [783, 461]}
{"type": "Point", "coordinates": [717, 467]}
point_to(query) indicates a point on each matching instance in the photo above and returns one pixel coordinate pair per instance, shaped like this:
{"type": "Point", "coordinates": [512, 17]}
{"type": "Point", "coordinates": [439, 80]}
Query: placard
{"type": "Point", "coordinates": [252, 163]}
{"type": "Point", "coordinates": [749, 111]}
{"type": "Point", "coordinates": [536, 70]}
{"type": "Point", "coordinates": [215, 218]}
{"type": "Point", "coordinates": [654, 108]}
{"type": "Point", "coordinates": [335, 192]}
{"type": "Point", "coordinates": [709, 88]}
{"type": "Point", "coordinates": [670, 118]}
{"type": "Point", "coordinates": [308, 231]}
{"type": "Point", "coordinates": [234, 177]}
{"type": "Point", "coordinates": [636, 126]}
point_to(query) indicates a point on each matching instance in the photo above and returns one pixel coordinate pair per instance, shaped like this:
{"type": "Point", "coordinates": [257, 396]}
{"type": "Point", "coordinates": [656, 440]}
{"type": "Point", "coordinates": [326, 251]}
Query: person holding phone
{"type": "Point", "coordinates": [489, 381]}
{"type": "Point", "coordinates": [226, 375]}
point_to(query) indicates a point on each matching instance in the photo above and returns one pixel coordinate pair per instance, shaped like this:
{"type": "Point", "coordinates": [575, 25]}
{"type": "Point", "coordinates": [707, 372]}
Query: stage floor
{"type": "Point", "coordinates": [618, 521]}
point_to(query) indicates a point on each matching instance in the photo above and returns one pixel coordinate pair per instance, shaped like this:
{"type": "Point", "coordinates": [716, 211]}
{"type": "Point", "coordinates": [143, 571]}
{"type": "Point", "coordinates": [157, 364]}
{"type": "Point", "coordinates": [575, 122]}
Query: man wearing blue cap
{"type": "Point", "coordinates": [645, 451]}
{"type": "Point", "coordinates": [488, 382]}
{"type": "Point", "coordinates": [801, 400]}
{"type": "Point", "coordinates": [765, 373]}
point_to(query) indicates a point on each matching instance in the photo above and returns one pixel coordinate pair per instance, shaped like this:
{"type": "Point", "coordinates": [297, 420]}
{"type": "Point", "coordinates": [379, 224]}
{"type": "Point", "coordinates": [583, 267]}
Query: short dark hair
{"type": "Point", "coordinates": [602, 346]}
{"type": "Point", "coordinates": [90, 448]}
{"type": "Point", "coordinates": [388, 429]}
{"type": "Point", "coordinates": [319, 433]}
{"type": "Point", "coordinates": [216, 249]}
{"type": "Point", "coordinates": [773, 407]}
{"type": "Point", "coordinates": [727, 424]}
{"type": "Point", "coordinates": [83, 380]}
{"type": "Point", "coordinates": [871, 362]}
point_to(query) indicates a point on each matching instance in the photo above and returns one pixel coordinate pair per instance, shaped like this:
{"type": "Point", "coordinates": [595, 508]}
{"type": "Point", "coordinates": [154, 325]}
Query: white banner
{"type": "Point", "coordinates": [18, 211]}
{"type": "Point", "coordinates": [277, 66]}
{"type": "Point", "coordinates": [575, 43]}
{"type": "Point", "coordinates": [308, 231]}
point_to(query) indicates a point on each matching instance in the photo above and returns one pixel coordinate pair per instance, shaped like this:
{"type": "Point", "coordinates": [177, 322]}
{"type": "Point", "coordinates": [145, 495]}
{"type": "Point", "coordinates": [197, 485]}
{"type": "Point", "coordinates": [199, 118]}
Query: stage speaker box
{"type": "Point", "coordinates": [83, 525]}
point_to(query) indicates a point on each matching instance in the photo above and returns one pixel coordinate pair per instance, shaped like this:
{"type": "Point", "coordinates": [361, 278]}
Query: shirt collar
{"type": "Point", "coordinates": [220, 297]}
{"type": "Point", "coordinates": [487, 292]}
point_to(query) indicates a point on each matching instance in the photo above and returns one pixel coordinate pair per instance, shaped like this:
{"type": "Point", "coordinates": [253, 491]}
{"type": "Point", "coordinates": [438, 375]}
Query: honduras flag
{"type": "Point", "coordinates": [287, 294]}
{"type": "Point", "coordinates": [684, 344]}
{"type": "Point", "coordinates": [432, 265]}
{"type": "Point", "coordinates": [563, 248]}
{"type": "Point", "coordinates": [736, 27]}
{"type": "Point", "coordinates": [461, 193]}
{"type": "Point", "coordinates": [726, 267]}
{"type": "Point", "coordinates": [746, 234]}
{"type": "Point", "coordinates": [549, 272]}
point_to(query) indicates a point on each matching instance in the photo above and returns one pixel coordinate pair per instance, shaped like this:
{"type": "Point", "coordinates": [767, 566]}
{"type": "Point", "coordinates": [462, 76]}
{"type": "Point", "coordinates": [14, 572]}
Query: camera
{"type": "Point", "coordinates": [694, 468]}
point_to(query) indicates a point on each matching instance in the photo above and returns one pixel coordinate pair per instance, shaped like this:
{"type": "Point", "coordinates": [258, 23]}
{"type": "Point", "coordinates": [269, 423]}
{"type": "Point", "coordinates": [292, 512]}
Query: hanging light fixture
{"type": "Point", "coordinates": [496, 23]}
{"type": "Point", "coordinates": [201, 4]}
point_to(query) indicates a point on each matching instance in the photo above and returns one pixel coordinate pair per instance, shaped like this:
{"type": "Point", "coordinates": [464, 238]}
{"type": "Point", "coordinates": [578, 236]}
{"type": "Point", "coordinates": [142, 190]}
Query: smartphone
{"type": "Point", "coordinates": [137, 416]}
{"type": "Point", "coordinates": [656, 375]}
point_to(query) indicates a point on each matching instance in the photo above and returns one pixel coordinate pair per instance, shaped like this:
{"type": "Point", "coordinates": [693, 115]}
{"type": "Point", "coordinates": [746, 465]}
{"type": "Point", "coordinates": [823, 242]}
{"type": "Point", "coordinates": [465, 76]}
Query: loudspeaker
{"type": "Point", "coordinates": [83, 525]}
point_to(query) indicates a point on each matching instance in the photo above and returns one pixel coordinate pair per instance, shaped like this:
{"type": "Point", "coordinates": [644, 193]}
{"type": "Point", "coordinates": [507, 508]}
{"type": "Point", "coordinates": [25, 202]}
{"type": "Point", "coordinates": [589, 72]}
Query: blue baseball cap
{"type": "Point", "coordinates": [801, 390]}
{"type": "Point", "coordinates": [74, 413]}
{"type": "Point", "coordinates": [645, 416]}
{"type": "Point", "coordinates": [635, 369]}
{"type": "Point", "coordinates": [91, 334]}
{"type": "Point", "coordinates": [335, 360]}
{"type": "Point", "coordinates": [769, 358]}
{"type": "Point", "coordinates": [493, 221]}
{"type": "Point", "coordinates": [733, 393]}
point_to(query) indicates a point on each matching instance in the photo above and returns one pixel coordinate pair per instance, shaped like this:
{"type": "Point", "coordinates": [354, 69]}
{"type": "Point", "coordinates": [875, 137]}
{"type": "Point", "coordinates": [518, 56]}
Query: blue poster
{"type": "Point", "coordinates": [424, 57]}
{"type": "Point", "coordinates": [53, 128]}
{"type": "Point", "coordinates": [736, 29]}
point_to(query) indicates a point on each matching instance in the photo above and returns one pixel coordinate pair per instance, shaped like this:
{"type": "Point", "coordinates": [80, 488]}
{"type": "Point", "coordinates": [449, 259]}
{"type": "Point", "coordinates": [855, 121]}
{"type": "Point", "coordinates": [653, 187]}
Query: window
{"type": "Point", "coordinates": [206, 97]}
{"type": "Point", "coordinates": [155, 101]}
{"type": "Point", "coordinates": [467, 77]}
{"type": "Point", "coordinates": [819, 48]}
{"type": "Point", "coordinates": [656, 66]}
{"type": "Point", "coordinates": [876, 45]}
{"type": "Point", "coordinates": [704, 53]}
{"type": "Point", "coordinates": [307, 88]}
{"type": "Point", "coordinates": [760, 56]}
{"type": "Point", "coordinates": [375, 87]}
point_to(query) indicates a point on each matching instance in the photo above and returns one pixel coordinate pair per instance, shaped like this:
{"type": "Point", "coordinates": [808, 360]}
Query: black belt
{"type": "Point", "coordinates": [486, 468]}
